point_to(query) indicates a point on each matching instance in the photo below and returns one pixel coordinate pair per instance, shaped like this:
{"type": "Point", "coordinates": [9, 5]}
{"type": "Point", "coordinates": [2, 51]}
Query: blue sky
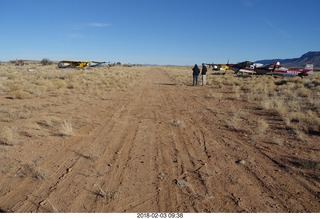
{"type": "Point", "coordinates": [181, 32]}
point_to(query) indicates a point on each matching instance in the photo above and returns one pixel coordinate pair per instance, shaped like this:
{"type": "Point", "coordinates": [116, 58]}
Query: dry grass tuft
{"type": "Point", "coordinates": [49, 121]}
{"type": "Point", "coordinates": [311, 166]}
{"type": "Point", "coordinates": [107, 195]}
{"type": "Point", "coordinates": [66, 129]}
{"type": "Point", "coordinates": [176, 122]}
{"type": "Point", "coordinates": [20, 94]}
{"type": "Point", "coordinates": [235, 121]}
{"type": "Point", "coordinates": [8, 136]}
{"type": "Point", "coordinates": [32, 171]}
{"type": "Point", "coordinates": [277, 140]}
{"type": "Point", "coordinates": [262, 126]}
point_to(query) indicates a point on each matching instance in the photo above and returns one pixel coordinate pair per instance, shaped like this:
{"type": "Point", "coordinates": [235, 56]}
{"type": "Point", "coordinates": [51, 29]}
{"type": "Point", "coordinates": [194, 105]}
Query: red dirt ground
{"type": "Point", "coordinates": [163, 147]}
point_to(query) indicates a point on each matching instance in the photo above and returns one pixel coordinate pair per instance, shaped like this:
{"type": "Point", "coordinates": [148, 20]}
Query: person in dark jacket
{"type": "Point", "coordinates": [196, 72]}
{"type": "Point", "coordinates": [204, 74]}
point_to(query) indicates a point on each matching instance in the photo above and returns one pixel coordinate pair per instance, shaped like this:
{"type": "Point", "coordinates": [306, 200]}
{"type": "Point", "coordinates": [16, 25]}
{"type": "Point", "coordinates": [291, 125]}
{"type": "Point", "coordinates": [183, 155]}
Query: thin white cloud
{"type": "Point", "coordinates": [91, 25]}
{"type": "Point", "coordinates": [76, 36]}
{"type": "Point", "coordinates": [249, 3]}
{"type": "Point", "coordinates": [79, 32]}
{"type": "Point", "coordinates": [278, 30]}
{"type": "Point", "coordinates": [98, 25]}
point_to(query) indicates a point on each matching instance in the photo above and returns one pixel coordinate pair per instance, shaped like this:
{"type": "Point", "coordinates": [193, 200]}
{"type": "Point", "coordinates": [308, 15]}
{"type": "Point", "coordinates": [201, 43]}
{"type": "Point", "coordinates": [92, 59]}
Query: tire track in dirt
{"type": "Point", "coordinates": [273, 178]}
{"type": "Point", "coordinates": [194, 154]}
{"type": "Point", "coordinates": [186, 137]}
{"type": "Point", "coordinates": [237, 149]}
{"type": "Point", "coordinates": [187, 158]}
{"type": "Point", "coordinates": [112, 147]}
{"type": "Point", "coordinates": [129, 157]}
{"type": "Point", "coordinates": [121, 162]}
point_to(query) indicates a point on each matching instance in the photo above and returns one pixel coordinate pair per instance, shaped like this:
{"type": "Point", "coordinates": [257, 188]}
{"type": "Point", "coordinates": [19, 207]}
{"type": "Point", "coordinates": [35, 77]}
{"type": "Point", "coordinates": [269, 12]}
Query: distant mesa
{"type": "Point", "coordinates": [309, 57]}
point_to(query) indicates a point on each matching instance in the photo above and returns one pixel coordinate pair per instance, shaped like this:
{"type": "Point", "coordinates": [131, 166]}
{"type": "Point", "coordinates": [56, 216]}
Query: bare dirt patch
{"type": "Point", "coordinates": [142, 139]}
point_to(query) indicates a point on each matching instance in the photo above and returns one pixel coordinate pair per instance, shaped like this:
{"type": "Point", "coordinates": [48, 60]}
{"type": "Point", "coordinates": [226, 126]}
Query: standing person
{"type": "Point", "coordinates": [204, 74]}
{"type": "Point", "coordinates": [196, 72]}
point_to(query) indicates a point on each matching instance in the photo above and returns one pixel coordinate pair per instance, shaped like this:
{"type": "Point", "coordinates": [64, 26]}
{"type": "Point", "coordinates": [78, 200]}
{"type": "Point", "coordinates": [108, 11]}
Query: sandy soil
{"type": "Point", "coordinates": [162, 147]}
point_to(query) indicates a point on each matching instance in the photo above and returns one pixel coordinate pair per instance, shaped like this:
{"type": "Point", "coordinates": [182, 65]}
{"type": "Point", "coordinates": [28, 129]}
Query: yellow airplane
{"type": "Point", "coordinates": [72, 64]}
{"type": "Point", "coordinates": [219, 67]}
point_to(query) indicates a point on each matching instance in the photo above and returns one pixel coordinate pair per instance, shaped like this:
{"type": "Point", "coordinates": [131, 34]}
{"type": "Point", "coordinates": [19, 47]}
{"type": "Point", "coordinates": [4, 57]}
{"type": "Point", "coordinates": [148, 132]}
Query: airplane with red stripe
{"type": "Point", "coordinates": [271, 69]}
{"type": "Point", "coordinates": [291, 72]}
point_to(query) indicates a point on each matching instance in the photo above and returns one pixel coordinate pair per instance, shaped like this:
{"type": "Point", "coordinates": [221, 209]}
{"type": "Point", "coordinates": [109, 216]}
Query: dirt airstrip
{"type": "Point", "coordinates": [158, 145]}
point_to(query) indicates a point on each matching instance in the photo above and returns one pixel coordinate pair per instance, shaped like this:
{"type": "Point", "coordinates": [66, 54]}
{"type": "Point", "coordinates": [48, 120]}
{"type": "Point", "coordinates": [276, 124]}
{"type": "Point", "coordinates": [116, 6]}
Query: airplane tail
{"type": "Point", "coordinates": [308, 69]}
{"type": "Point", "coordinates": [276, 65]}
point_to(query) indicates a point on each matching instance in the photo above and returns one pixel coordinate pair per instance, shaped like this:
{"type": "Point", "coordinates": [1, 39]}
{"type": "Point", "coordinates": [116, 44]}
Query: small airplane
{"type": "Point", "coordinates": [218, 67]}
{"type": "Point", "coordinates": [79, 64]}
{"type": "Point", "coordinates": [271, 69]}
{"type": "Point", "coordinates": [253, 68]}
{"type": "Point", "coordinates": [243, 67]}
{"type": "Point", "coordinates": [291, 72]}
{"type": "Point", "coordinates": [72, 64]}
{"type": "Point", "coordinates": [97, 64]}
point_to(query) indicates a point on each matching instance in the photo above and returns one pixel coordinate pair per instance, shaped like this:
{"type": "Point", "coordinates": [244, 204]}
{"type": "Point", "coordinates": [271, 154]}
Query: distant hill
{"type": "Point", "coordinates": [309, 57]}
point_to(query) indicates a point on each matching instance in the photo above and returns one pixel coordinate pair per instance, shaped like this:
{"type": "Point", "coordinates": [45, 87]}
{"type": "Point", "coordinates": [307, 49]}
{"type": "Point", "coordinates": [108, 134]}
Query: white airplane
{"type": "Point", "coordinates": [271, 69]}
